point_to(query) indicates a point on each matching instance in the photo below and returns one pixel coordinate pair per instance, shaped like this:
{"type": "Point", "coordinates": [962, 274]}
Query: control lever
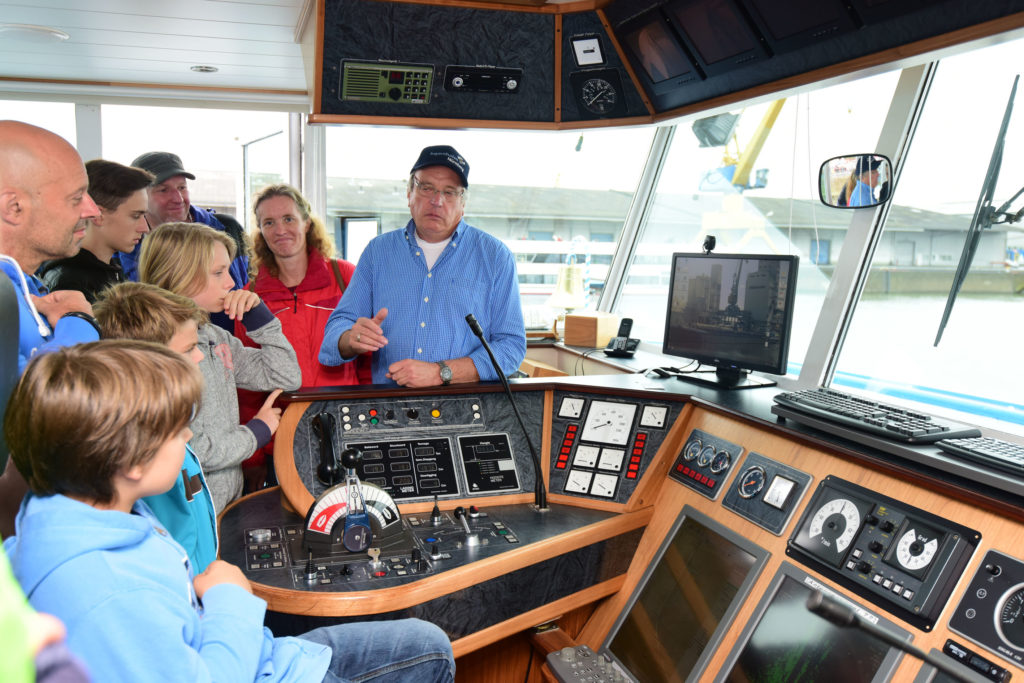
{"type": "Point", "coordinates": [460, 514]}
{"type": "Point", "coordinates": [435, 514]}
{"type": "Point", "coordinates": [357, 535]}
{"type": "Point", "coordinates": [327, 471]}
{"type": "Point", "coordinates": [310, 573]}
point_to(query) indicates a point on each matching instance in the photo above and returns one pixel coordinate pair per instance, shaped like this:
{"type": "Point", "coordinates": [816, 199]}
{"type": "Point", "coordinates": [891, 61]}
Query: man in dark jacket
{"type": "Point", "coordinates": [169, 203]}
{"type": "Point", "coordinates": [120, 193]}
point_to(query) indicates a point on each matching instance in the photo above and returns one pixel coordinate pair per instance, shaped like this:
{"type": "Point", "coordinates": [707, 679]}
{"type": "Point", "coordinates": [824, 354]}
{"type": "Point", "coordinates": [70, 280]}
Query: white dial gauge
{"type": "Point", "coordinates": [608, 422]}
{"type": "Point", "coordinates": [604, 485]}
{"type": "Point", "coordinates": [571, 407]}
{"type": "Point", "coordinates": [914, 551]}
{"type": "Point", "coordinates": [578, 481]}
{"type": "Point", "coordinates": [838, 519]}
{"type": "Point", "coordinates": [611, 459]}
{"type": "Point", "coordinates": [333, 504]}
{"type": "Point", "coordinates": [653, 416]}
{"type": "Point", "coordinates": [586, 456]}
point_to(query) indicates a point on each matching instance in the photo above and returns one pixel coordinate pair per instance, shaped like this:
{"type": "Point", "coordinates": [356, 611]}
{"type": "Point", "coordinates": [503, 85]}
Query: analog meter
{"type": "Point", "coordinates": [609, 422]}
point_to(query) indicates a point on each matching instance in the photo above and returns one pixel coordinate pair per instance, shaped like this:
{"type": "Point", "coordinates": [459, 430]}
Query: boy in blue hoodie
{"type": "Point", "coordinates": [88, 550]}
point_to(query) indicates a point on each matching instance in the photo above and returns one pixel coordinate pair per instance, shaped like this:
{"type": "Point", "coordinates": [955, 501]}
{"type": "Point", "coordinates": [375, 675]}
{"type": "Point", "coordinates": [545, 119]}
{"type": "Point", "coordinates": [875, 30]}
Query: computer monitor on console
{"type": "Point", "coordinates": [685, 602]}
{"type": "Point", "coordinates": [731, 311]}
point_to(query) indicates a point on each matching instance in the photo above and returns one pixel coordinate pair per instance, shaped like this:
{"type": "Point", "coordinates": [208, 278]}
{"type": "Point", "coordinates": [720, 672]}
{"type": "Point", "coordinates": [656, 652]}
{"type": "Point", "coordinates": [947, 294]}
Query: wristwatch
{"type": "Point", "coordinates": [446, 372]}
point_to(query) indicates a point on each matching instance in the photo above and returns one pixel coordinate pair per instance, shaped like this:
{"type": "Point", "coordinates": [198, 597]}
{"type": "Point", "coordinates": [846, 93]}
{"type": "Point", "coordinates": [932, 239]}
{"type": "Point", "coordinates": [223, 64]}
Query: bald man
{"type": "Point", "coordinates": [43, 209]}
{"type": "Point", "coordinates": [44, 204]}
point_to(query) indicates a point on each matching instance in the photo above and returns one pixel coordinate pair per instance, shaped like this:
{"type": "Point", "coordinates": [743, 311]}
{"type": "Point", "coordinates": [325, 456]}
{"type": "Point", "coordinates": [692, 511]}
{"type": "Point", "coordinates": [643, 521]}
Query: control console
{"type": "Point", "coordinates": [899, 557]}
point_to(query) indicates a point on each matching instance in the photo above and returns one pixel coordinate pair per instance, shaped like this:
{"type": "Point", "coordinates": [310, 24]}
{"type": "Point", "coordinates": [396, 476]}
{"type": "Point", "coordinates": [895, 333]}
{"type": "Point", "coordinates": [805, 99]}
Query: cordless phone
{"type": "Point", "coordinates": [622, 345]}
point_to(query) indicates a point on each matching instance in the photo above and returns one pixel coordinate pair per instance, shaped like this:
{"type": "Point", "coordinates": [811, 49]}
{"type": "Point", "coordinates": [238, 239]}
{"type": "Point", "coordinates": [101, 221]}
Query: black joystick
{"type": "Point", "coordinates": [435, 514]}
{"type": "Point", "coordinates": [460, 514]}
{"type": "Point", "coordinates": [350, 458]}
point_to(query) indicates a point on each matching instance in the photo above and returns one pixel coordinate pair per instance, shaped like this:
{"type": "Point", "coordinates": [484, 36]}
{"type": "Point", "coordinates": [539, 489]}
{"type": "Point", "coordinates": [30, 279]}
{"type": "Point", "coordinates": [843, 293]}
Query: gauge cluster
{"type": "Point", "coordinates": [705, 462]}
{"type": "Point", "coordinates": [766, 492]}
{"type": "Point", "coordinates": [991, 611]}
{"type": "Point", "coordinates": [901, 558]}
{"type": "Point", "coordinates": [601, 446]}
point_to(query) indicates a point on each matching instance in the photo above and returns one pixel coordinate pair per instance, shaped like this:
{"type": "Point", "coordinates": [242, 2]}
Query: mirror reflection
{"type": "Point", "coordinates": [855, 181]}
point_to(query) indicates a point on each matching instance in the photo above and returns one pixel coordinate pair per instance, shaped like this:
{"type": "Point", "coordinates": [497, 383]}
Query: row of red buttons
{"type": "Point", "coordinates": [567, 441]}
{"type": "Point", "coordinates": [696, 476]}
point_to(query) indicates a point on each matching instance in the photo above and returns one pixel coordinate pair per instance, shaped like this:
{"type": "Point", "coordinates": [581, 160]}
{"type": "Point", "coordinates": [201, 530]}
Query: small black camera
{"type": "Point", "coordinates": [709, 244]}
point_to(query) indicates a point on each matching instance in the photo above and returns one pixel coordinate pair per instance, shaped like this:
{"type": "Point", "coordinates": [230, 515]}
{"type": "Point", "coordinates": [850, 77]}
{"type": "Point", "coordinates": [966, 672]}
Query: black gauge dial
{"type": "Point", "coordinates": [598, 96]}
{"type": "Point", "coordinates": [751, 481]}
{"type": "Point", "coordinates": [692, 449]}
{"type": "Point", "coordinates": [1010, 617]}
{"type": "Point", "coordinates": [706, 454]}
{"type": "Point", "coordinates": [721, 462]}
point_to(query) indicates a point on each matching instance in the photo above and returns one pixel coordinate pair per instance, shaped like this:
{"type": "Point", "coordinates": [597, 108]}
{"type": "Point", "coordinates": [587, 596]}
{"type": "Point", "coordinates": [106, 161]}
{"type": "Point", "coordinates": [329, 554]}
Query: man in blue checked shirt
{"type": "Point", "coordinates": [413, 288]}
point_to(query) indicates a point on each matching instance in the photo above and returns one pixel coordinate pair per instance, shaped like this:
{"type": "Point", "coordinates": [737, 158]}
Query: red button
{"type": "Point", "coordinates": [679, 468]}
{"type": "Point", "coordinates": [711, 483]}
{"type": "Point", "coordinates": [638, 451]}
{"type": "Point", "coordinates": [560, 465]}
{"type": "Point", "coordinates": [565, 450]}
{"type": "Point", "coordinates": [373, 412]}
{"type": "Point", "coordinates": [630, 475]}
{"type": "Point", "coordinates": [640, 436]}
{"type": "Point", "coordinates": [571, 428]}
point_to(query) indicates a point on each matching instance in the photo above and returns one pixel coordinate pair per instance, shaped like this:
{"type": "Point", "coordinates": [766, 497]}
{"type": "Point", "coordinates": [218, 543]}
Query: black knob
{"type": "Point", "coordinates": [350, 458]}
{"type": "Point", "coordinates": [887, 526]}
{"type": "Point", "coordinates": [435, 514]}
{"type": "Point", "coordinates": [863, 567]}
{"type": "Point", "coordinates": [459, 512]}
{"type": "Point", "coordinates": [395, 94]}
{"type": "Point", "coordinates": [993, 569]}
{"type": "Point", "coordinates": [875, 547]}
{"type": "Point", "coordinates": [389, 414]}
{"type": "Point", "coordinates": [412, 413]}
{"type": "Point", "coordinates": [416, 554]}
{"type": "Point", "coordinates": [474, 511]}
{"type": "Point", "coordinates": [871, 520]}
{"type": "Point", "coordinates": [345, 570]}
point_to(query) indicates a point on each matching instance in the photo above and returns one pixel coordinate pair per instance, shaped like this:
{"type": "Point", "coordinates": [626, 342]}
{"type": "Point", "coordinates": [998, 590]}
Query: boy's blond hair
{"type": "Point", "coordinates": [82, 414]}
{"type": "Point", "coordinates": [177, 256]}
{"type": "Point", "coordinates": [136, 310]}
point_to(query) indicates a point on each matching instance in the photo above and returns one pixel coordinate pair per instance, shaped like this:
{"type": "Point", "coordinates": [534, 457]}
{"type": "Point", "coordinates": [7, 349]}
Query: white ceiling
{"type": "Point", "coordinates": [253, 43]}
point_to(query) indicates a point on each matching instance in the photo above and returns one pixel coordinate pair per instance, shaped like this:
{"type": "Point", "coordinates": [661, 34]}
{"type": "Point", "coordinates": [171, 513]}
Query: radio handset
{"type": "Point", "coordinates": [327, 471]}
{"type": "Point", "coordinates": [622, 345]}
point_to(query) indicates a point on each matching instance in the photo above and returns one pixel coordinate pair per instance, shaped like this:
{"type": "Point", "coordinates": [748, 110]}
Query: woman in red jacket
{"type": "Point", "coordinates": [301, 283]}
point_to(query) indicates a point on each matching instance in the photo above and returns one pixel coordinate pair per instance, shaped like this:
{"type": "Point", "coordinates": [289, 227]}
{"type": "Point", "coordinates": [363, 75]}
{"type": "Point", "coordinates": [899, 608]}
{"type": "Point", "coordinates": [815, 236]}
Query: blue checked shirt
{"type": "Point", "coordinates": [475, 274]}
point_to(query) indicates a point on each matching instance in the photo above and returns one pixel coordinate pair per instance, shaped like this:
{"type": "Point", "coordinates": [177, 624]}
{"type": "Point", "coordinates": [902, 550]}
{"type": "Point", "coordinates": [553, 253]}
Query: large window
{"type": "Point", "coordinates": [57, 117]}
{"type": "Point", "coordinates": [211, 143]}
{"type": "Point", "coordinates": [553, 198]}
{"type": "Point", "coordinates": [774, 211]}
{"type": "Point", "coordinates": [890, 346]}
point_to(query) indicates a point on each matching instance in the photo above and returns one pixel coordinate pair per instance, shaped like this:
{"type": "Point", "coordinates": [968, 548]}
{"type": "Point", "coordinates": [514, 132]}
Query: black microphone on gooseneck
{"type": "Point", "coordinates": [842, 615]}
{"type": "Point", "coordinates": [540, 493]}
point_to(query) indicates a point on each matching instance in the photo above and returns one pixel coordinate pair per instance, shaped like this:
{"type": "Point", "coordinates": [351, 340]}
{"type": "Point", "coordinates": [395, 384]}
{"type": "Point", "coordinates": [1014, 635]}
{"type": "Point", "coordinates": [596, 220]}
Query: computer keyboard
{"type": "Point", "coordinates": [855, 414]}
{"type": "Point", "coordinates": [984, 450]}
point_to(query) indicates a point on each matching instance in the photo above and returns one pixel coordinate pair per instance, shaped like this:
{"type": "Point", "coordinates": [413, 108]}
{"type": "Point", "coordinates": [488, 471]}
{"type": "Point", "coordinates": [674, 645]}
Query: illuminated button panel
{"type": "Point", "coordinates": [264, 549]}
{"type": "Point", "coordinates": [705, 462]}
{"type": "Point", "coordinates": [601, 445]}
{"type": "Point", "coordinates": [367, 417]}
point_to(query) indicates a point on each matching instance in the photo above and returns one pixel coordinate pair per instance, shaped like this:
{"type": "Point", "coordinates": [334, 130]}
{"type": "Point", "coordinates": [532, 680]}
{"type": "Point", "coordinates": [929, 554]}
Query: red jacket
{"type": "Point", "coordinates": [303, 316]}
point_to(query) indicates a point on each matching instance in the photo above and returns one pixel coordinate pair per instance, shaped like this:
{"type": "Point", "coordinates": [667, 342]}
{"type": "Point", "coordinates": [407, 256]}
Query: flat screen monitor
{"type": "Point", "coordinates": [794, 24]}
{"type": "Point", "coordinates": [784, 641]}
{"type": "Point", "coordinates": [683, 605]}
{"type": "Point", "coordinates": [655, 50]}
{"type": "Point", "coordinates": [733, 312]}
{"type": "Point", "coordinates": [717, 33]}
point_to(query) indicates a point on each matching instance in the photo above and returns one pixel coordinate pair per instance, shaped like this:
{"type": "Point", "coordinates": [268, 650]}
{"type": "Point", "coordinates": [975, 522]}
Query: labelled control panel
{"type": "Point", "coordinates": [901, 558]}
{"type": "Point", "coordinates": [379, 417]}
{"type": "Point", "coordinates": [991, 611]}
{"type": "Point", "coordinates": [408, 469]}
{"type": "Point", "coordinates": [491, 79]}
{"type": "Point", "coordinates": [601, 446]}
{"type": "Point", "coordinates": [386, 82]}
{"type": "Point", "coordinates": [705, 462]}
{"type": "Point", "coordinates": [766, 492]}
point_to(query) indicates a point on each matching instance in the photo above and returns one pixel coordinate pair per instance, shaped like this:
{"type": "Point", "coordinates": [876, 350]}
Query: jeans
{"type": "Point", "coordinates": [386, 652]}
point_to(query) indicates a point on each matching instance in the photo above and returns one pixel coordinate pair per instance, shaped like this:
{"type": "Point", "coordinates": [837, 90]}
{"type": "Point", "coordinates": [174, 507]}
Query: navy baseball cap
{"type": "Point", "coordinates": [444, 155]}
{"type": "Point", "coordinates": [163, 165]}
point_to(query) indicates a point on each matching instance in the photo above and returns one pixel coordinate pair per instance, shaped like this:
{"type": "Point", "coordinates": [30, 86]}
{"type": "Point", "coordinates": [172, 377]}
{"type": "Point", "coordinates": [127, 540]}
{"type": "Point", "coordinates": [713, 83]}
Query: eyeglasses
{"type": "Point", "coordinates": [428, 191]}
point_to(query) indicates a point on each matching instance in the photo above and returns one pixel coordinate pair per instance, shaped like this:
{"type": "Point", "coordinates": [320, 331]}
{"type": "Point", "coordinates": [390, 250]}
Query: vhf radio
{"type": "Point", "coordinates": [622, 345]}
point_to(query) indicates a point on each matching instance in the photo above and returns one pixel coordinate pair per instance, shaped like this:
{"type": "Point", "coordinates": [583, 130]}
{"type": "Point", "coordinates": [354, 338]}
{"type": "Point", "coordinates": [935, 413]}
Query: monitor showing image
{"type": "Point", "coordinates": [784, 642]}
{"type": "Point", "coordinates": [684, 603]}
{"type": "Point", "coordinates": [733, 312]}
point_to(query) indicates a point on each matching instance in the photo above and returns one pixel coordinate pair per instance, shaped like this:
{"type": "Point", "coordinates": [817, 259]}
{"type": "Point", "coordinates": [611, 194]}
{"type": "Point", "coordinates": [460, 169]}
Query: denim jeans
{"type": "Point", "coordinates": [407, 650]}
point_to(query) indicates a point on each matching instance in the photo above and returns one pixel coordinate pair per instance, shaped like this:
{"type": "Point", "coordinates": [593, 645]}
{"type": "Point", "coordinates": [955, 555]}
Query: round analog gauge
{"type": "Point", "coordinates": [653, 416]}
{"type": "Point", "coordinates": [608, 422]}
{"type": "Point", "coordinates": [333, 504]}
{"type": "Point", "coordinates": [692, 450]}
{"type": "Point", "coordinates": [1010, 617]}
{"type": "Point", "coordinates": [751, 481]}
{"type": "Point", "coordinates": [721, 461]}
{"type": "Point", "coordinates": [706, 454]}
{"type": "Point", "coordinates": [837, 520]}
{"type": "Point", "coordinates": [914, 551]}
{"type": "Point", "coordinates": [598, 96]}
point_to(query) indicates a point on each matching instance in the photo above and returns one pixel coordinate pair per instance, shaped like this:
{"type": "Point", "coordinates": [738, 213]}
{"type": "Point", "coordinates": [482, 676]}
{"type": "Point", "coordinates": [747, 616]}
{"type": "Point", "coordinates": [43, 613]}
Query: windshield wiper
{"type": "Point", "coordinates": [984, 215]}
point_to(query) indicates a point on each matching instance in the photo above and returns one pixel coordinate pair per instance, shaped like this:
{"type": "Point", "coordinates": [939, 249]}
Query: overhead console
{"type": "Point", "coordinates": [547, 66]}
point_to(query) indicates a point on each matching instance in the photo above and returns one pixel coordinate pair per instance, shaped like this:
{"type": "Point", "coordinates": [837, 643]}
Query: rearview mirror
{"type": "Point", "coordinates": [855, 181]}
